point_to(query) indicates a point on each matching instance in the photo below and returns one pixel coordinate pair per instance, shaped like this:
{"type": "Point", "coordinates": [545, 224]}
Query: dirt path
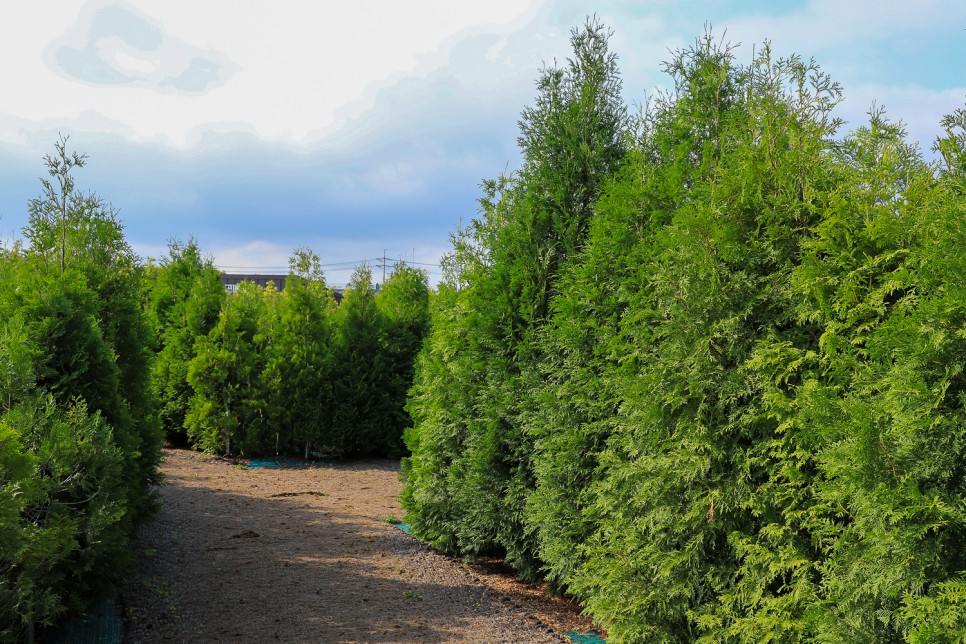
{"type": "Point", "coordinates": [257, 555]}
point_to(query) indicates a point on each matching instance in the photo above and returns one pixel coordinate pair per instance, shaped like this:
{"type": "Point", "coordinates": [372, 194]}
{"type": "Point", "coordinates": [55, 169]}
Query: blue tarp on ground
{"type": "Point", "coordinates": [402, 526]}
{"type": "Point", "coordinates": [284, 462]}
{"type": "Point", "coordinates": [586, 637]}
{"type": "Point", "coordinates": [101, 625]}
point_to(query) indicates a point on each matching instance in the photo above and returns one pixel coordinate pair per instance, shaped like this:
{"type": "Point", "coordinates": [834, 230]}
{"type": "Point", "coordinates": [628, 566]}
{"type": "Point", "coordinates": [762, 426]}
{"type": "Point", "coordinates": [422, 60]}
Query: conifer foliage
{"type": "Point", "coordinates": [533, 225]}
{"type": "Point", "coordinates": [264, 371]}
{"type": "Point", "coordinates": [186, 295]}
{"type": "Point", "coordinates": [101, 356]}
{"type": "Point", "coordinates": [703, 369]}
{"type": "Point", "coordinates": [79, 437]}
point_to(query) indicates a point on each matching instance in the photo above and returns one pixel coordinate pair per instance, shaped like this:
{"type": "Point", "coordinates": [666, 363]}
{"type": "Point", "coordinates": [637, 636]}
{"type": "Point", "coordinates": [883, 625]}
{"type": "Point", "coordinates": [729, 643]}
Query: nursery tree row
{"type": "Point", "coordinates": [703, 367]}
{"type": "Point", "coordinates": [79, 436]}
{"type": "Point", "coordinates": [263, 371]}
{"type": "Point", "coordinates": [100, 356]}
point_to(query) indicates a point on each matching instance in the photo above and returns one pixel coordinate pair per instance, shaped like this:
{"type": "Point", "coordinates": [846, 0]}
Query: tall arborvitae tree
{"type": "Point", "coordinates": [404, 304]}
{"type": "Point", "coordinates": [441, 399]}
{"type": "Point", "coordinates": [572, 141]}
{"type": "Point", "coordinates": [291, 370]}
{"type": "Point", "coordinates": [925, 384]}
{"type": "Point", "coordinates": [298, 373]}
{"type": "Point", "coordinates": [70, 490]}
{"type": "Point", "coordinates": [186, 295]}
{"type": "Point", "coordinates": [872, 406]}
{"type": "Point", "coordinates": [226, 412]}
{"type": "Point", "coordinates": [585, 350]}
{"type": "Point", "coordinates": [79, 438]}
{"type": "Point", "coordinates": [576, 400]}
{"type": "Point", "coordinates": [680, 520]}
{"type": "Point", "coordinates": [70, 231]}
{"type": "Point", "coordinates": [360, 371]}
{"type": "Point", "coordinates": [735, 411]}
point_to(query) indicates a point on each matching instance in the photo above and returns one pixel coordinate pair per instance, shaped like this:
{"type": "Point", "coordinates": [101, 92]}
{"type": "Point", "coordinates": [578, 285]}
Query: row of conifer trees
{"type": "Point", "coordinates": [268, 371]}
{"type": "Point", "coordinates": [101, 356]}
{"type": "Point", "coordinates": [703, 367]}
{"type": "Point", "coordinates": [79, 434]}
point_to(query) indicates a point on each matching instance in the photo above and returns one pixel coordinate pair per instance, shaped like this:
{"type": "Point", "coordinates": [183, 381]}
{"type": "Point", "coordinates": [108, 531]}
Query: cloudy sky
{"type": "Point", "coordinates": [366, 127]}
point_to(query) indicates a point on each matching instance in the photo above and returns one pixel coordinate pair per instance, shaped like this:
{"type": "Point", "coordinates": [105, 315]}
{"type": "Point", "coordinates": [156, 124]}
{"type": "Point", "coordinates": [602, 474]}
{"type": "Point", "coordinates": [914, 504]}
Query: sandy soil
{"type": "Point", "coordinates": [257, 555]}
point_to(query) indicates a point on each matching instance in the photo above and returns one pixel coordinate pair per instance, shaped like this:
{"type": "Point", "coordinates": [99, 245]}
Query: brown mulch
{"type": "Point", "coordinates": [307, 555]}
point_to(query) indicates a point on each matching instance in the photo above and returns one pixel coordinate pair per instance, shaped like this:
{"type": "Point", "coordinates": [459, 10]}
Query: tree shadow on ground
{"type": "Point", "coordinates": [296, 566]}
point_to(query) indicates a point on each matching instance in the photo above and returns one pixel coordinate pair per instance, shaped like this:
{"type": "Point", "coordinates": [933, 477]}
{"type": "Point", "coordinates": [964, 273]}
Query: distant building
{"type": "Point", "coordinates": [232, 280]}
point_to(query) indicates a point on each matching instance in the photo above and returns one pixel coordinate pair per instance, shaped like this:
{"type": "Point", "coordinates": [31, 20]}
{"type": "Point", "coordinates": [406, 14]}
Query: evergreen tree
{"type": "Point", "coordinates": [186, 295]}
{"type": "Point", "coordinates": [403, 302]}
{"type": "Point", "coordinates": [533, 224]}
{"type": "Point", "coordinates": [298, 371]}
{"type": "Point", "coordinates": [226, 410]}
{"type": "Point", "coordinates": [771, 374]}
{"type": "Point", "coordinates": [872, 408]}
{"type": "Point", "coordinates": [80, 237]}
{"type": "Point", "coordinates": [78, 429]}
{"type": "Point", "coordinates": [359, 385]}
{"type": "Point", "coordinates": [680, 523]}
{"type": "Point", "coordinates": [586, 351]}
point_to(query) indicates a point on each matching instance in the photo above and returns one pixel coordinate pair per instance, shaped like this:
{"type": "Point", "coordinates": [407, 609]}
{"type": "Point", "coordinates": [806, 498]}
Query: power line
{"type": "Point", "coordinates": [380, 262]}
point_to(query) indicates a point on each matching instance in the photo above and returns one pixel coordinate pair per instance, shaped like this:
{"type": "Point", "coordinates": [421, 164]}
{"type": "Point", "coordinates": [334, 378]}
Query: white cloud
{"type": "Point", "coordinates": [297, 63]}
{"type": "Point", "coordinates": [919, 108]}
{"type": "Point", "coordinates": [256, 256]}
{"type": "Point", "coordinates": [115, 44]}
{"type": "Point", "coordinates": [377, 120]}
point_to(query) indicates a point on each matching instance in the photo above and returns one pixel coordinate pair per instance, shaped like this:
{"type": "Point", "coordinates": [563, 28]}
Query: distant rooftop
{"type": "Point", "coordinates": [232, 280]}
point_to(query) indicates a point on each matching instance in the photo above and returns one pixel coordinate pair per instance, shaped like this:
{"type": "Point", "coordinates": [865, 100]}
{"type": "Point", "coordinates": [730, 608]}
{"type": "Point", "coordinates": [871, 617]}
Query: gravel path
{"type": "Point", "coordinates": [305, 555]}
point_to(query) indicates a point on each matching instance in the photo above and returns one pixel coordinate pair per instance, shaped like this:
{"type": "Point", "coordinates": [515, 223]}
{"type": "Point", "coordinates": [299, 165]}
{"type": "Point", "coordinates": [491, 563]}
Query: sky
{"type": "Point", "coordinates": [363, 130]}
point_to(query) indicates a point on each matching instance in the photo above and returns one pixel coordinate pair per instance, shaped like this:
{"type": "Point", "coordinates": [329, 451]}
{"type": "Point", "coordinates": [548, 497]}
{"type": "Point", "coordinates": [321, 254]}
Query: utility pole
{"type": "Point", "coordinates": [383, 265]}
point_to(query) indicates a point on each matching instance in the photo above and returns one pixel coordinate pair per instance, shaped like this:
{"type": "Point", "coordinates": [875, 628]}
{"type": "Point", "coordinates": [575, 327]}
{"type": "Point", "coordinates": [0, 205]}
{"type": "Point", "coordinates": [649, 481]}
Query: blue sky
{"type": "Point", "coordinates": [364, 127]}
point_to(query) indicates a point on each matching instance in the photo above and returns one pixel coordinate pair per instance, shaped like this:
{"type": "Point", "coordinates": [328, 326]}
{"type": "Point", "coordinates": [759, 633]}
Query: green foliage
{"type": "Point", "coordinates": [361, 372]}
{"type": "Point", "coordinates": [18, 357]}
{"type": "Point", "coordinates": [298, 373]}
{"type": "Point", "coordinates": [721, 398]}
{"type": "Point", "coordinates": [575, 400]}
{"type": "Point", "coordinates": [440, 404]}
{"type": "Point", "coordinates": [64, 501]}
{"type": "Point", "coordinates": [186, 295]}
{"type": "Point", "coordinates": [506, 266]}
{"type": "Point", "coordinates": [79, 439]}
{"type": "Point", "coordinates": [289, 371]}
{"type": "Point", "coordinates": [883, 283]}
{"type": "Point", "coordinates": [225, 412]}
{"type": "Point", "coordinates": [97, 292]}
{"type": "Point", "coordinates": [403, 302]}
{"type": "Point", "coordinates": [716, 277]}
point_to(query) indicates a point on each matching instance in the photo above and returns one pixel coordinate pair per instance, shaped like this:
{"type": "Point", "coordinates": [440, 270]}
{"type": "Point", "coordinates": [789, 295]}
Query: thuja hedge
{"type": "Point", "coordinates": [263, 371]}
{"type": "Point", "coordinates": [101, 356]}
{"type": "Point", "coordinates": [79, 437]}
{"type": "Point", "coordinates": [703, 369]}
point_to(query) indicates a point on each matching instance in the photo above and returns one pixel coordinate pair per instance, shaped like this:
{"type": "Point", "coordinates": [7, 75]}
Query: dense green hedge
{"type": "Point", "coordinates": [703, 369]}
{"type": "Point", "coordinates": [267, 372]}
{"type": "Point", "coordinates": [100, 356]}
{"type": "Point", "coordinates": [79, 437]}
